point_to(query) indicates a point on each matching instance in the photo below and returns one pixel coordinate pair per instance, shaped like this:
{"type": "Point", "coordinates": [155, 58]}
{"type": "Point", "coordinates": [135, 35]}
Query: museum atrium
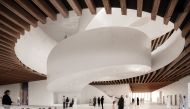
{"type": "Point", "coordinates": [86, 49]}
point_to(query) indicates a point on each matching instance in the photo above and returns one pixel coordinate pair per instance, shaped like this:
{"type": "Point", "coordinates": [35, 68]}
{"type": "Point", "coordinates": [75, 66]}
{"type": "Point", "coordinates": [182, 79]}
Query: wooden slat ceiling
{"type": "Point", "coordinates": [16, 16]}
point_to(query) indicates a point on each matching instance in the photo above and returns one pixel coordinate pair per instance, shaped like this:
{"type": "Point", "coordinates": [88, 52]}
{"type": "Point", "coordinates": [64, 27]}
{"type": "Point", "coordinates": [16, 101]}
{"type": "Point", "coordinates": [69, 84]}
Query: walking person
{"type": "Point", "coordinates": [64, 102]}
{"type": "Point", "coordinates": [94, 101]}
{"type": "Point", "coordinates": [67, 102]}
{"type": "Point", "coordinates": [121, 103]}
{"type": "Point", "coordinates": [137, 101]}
{"type": "Point", "coordinates": [99, 101]}
{"type": "Point", "coordinates": [6, 101]}
{"type": "Point", "coordinates": [102, 102]}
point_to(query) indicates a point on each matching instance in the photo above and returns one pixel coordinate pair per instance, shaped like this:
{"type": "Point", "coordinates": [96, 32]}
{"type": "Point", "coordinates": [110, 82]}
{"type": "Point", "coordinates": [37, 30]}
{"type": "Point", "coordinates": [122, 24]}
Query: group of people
{"type": "Point", "coordinates": [68, 103]}
{"type": "Point", "coordinates": [99, 100]}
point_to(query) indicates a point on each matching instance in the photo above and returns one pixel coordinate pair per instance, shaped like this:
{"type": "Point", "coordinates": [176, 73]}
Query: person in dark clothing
{"type": "Point", "coordinates": [137, 101]}
{"type": "Point", "coordinates": [99, 101]}
{"type": "Point", "coordinates": [121, 103]}
{"type": "Point", "coordinates": [133, 100]}
{"type": "Point", "coordinates": [94, 101]}
{"type": "Point", "coordinates": [72, 102]}
{"type": "Point", "coordinates": [102, 102]}
{"type": "Point", "coordinates": [6, 101]}
{"type": "Point", "coordinates": [67, 102]}
{"type": "Point", "coordinates": [64, 102]}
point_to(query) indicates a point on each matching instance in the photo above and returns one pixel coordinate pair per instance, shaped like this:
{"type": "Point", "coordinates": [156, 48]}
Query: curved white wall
{"type": "Point", "coordinates": [33, 49]}
{"type": "Point", "coordinates": [115, 90]}
{"type": "Point", "coordinates": [98, 53]}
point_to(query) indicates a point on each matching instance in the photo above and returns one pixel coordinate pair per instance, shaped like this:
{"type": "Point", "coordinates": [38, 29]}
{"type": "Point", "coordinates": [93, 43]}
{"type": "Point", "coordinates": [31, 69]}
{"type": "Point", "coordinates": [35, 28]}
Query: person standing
{"type": "Point", "coordinates": [180, 102]}
{"type": "Point", "coordinates": [64, 102]}
{"type": "Point", "coordinates": [102, 102]}
{"type": "Point", "coordinates": [72, 102]}
{"type": "Point", "coordinates": [75, 102]}
{"type": "Point", "coordinates": [185, 104]}
{"type": "Point", "coordinates": [137, 101]}
{"type": "Point", "coordinates": [121, 103]}
{"type": "Point", "coordinates": [99, 101]}
{"type": "Point", "coordinates": [67, 102]}
{"type": "Point", "coordinates": [6, 101]}
{"type": "Point", "coordinates": [113, 106]}
{"type": "Point", "coordinates": [94, 101]}
{"type": "Point", "coordinates": [126, 102]}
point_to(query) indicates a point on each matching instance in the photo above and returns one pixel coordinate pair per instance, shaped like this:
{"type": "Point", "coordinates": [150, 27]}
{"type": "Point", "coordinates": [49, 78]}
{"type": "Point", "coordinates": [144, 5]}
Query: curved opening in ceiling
{"type": "Point", "coordinates": [34, 47]}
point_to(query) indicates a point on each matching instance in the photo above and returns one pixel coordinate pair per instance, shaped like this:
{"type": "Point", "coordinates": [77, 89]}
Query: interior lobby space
{"type": "Point", "coordinates": [94, 54]}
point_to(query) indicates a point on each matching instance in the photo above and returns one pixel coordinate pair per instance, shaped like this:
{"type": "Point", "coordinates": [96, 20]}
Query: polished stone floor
{"type": "Point", "coordinates": [107, 106]}
{"type": "Point", "coordinates": [142, 106]}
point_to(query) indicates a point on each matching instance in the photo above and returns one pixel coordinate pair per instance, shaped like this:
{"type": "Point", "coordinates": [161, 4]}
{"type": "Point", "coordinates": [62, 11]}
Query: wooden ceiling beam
{"type": "Point", "coordinates": [180, 72]}
{"type": "Point", "coordinates": [176, 69]}
{"type": "Point", "coordinates": [14, 18]}
{"type": "Point", "coordinates": [188, 39]}
{"type": "Point", "coordinates": [182, 16]}
{"type": "Point", "coordinates": [170, 11]}
{"type": "Point", "coordinates": [30, 8]}
{"type": "Point", "coordinates": [20, 76]}
{"type": "Point", "coordinates": [183, 74]}
{"type": "Point", "coordinates": [13, 40]}
{"type": "Point", "coordinates": [152, 75]}
{"type": "Point", "coordinates": [158, 42]}
{"type": "Point", "coordinates": [139, 8]}
{"type": "Point", "coordinates": [91, 6]}
{"type": "Point", "coordinates": [184, 53]}
{"type": "Point", "coordinates": [6, 46]}
{"type": "Point", "coordinates": [186, 29]}
{"type": "Point", "coordinates": [158, 74]}
{"type": "Point", "coordinates": [176, 77]}
{"type": "Point", "coordinates": [6, 43]}
{"type": "Point", "coordinates": [9, 31]}
{"type": "Point", "coordinates": [155, 8]}
{"type": "Point", "coordinates": [107, 6]}
{"type": "Point", "coordinates": [42, 4]}
{"type": "Point", "coordinates": [60, 7]}
{"type": "Point", "coordinates": [5, 34]}
{"type": "Point", "coordinates": [6, 57]}
{"type": "Point", "coordinates": [11, 25]}
{"type": "Point", "coordinates": [5, 50]}
{"type": "Point", "coordinates": [148, 77]}
{"type": "Point", "coordinates": [123, 5]}
{"type": "Point", "coordinates": [15, 8]}
{"type": "Point", "coordinates": [143, 77]}
{"type": "Point", "coordinates": [75, 6]}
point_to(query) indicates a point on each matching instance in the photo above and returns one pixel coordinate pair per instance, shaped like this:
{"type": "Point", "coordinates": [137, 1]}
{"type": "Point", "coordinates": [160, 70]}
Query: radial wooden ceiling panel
{"type": "Point", "coordinates": [16, 16]}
